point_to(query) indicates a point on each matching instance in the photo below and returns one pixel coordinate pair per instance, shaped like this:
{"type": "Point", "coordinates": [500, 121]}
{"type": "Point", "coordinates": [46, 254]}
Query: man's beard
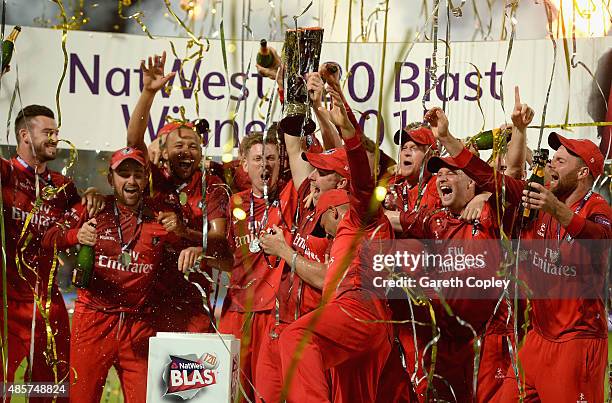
{"type": "Point", "coordinates": [42, 154]}
{"type": "Point", "coordinates": [565, 186]}
{"type": "Point", "coordinates": [178, 171]}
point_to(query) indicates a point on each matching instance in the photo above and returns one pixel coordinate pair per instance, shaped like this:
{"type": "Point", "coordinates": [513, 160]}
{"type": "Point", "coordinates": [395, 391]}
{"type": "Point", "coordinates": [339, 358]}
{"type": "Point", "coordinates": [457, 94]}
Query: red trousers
{"type": "Point", "coordinates": [571, 371]}
{"type": "Point", "coordinates": [19, 337]}
{"type": "Point", "coordinates": [181, 317]}
{"type": "Point", "coordinates": [101, 340]}
{"type": "Point", "coordinates": [454, 367]}
{"type": "Point", "coordinates": [253, 329]}
{"type": "Point", "coordinates": [269, 374]}
{"type": "Point", "coordinates": [494, 363]}
{"type": "Point", "coordinates": [346, 339]}
{"type": "Point", "coordinates": [395, 385]}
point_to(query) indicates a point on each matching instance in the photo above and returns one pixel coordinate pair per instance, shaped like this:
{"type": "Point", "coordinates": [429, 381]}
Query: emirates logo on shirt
{"type": "Point", "coordinates": [186, 375]}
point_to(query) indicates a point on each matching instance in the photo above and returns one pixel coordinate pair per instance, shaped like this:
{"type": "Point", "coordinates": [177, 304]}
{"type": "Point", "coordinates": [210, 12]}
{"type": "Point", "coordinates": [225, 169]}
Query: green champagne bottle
{"type": "Point", "coordinates": [540, 159]}
{"type": "Point", "coordinates": [486, 140]}
{"type": "Point", "coordinates": [8, 45]}
{"type": "Point", "coordinates": [265, 58]}
{"type": "Point", "coordinates": [81, 276]}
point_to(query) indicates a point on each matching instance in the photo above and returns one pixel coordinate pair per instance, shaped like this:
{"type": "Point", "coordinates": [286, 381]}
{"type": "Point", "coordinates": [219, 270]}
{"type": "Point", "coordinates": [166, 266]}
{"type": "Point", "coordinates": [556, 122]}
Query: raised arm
{"type": "Point", "coordinates": [362, 182]}
{"type": "Point", "coordinates": [474, 167]}
{"type": "Point", "coordinates": [331, 76]}
{"type": "Point", "coordinates": [522, 115]}
{"type": "Point", "coordinates": [153, 79]}
{"type": "Point", "coordinates": [331, 137]}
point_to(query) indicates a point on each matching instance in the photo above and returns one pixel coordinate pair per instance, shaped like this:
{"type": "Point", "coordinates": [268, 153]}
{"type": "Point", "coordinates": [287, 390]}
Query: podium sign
{"type": "Point", "coordinates": [194, 367]}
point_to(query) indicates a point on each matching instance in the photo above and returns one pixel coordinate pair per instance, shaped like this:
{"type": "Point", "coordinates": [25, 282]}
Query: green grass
{"type": "Point", "coordinates": [608, 386]}
{"type": "Point", "coordinates": [112, 389]}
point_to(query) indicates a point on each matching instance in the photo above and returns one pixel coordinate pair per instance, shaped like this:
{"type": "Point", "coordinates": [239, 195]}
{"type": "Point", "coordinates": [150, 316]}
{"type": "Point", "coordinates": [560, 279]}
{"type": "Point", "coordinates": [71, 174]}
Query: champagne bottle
{"type": "Point", "coordinates": [81, 276]}
{"type": "Point", "coordinates": [486, 140]}
{"type": "Point", "coordinates": [540, 158]}
{"type": "Point", "coordinates": [265, 58]}
{"type": "Point", "coordinates": [8, 45]}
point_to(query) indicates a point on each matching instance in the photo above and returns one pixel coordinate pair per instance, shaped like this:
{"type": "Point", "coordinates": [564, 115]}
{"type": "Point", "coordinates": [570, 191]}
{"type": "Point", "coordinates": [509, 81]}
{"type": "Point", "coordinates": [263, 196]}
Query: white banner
{"type": "Point", "coordinates": [103, 83]}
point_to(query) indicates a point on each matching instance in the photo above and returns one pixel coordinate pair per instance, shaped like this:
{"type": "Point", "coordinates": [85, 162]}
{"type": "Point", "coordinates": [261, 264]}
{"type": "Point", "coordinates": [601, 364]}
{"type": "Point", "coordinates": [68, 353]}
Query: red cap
{"type": "Point", "coordinates": [585, 149]}
{"type": "Point", "coordinates": [169, 127]}
{"type": "Point", "coordinates": [331, 160]}
{"type": "Point", "coordinates": [127, 153]}
{"type": "Point", "coordinates": [421, 135]}
{"type": "Point", "coordinates": [435, 163]}
{"type": "Point", "coordinates": [330, 198]}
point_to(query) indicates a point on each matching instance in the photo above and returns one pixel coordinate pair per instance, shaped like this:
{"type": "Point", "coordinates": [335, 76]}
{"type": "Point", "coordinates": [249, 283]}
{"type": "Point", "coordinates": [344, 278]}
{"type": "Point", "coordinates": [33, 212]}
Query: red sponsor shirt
{"type": "Point", "coordinates": [254, 284]}
{"type": "Point", "coordinates": [361, 223]}
{"type": "Point", "coordinates": [19, 196]}
{"type": "Point", "coordinates": [403, 197]}
{"type": "Point", "coordinates": [557, 319]}
{"type": "Point", "coordinates": [114, 287]}
{"type": "Point", "coordinates": [172, 282]}
{"type": "Point", "coordinates": [443, 225]}
{"type": "Point", "coordinates": [300, 296]}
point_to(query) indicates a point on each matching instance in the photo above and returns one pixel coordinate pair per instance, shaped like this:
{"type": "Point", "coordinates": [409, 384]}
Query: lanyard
{"type": "Point", "coordinates": [46, 182]}
{"type": "Point", "coordinates": [405, 200]}
{"type": "Point", "coordinates": [125, 246]}
{"type": "Point", "coordinates": [252, 227]}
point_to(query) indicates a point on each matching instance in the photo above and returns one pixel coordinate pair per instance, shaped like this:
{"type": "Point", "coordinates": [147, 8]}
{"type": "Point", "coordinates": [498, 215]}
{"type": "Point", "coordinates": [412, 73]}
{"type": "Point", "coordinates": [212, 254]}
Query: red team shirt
{"type": "Point", "coordinates": [557, 319]}
{"type": "Point", "coordinates": [302, 297]}
{"type": "Point", "coordinates": [114, 287]}
{"type": "Point", "coordinates": [254, 283]}
{"type": "Point", "coordinates": [358, 225]}
{"type": "Point", "coordinates": [168, 193]}
{"type": "Point", "coordinates": [402, 197]}
{"type": "Point", "coordinates": [444, 225]}
{"type": "Point", "coordinates": [19, 194]}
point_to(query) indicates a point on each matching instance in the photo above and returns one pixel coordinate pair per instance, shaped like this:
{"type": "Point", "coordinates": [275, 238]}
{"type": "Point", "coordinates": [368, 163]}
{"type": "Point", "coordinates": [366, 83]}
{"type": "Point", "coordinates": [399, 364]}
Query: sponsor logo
{"type": "Point", "coordinates": [602, 220]}
{"type": "Point", "coordinates": [107, 235]}
{"type": "Point", "coordinates": [26, 186]}
{"type": "Point", "coordinates": [300, 243]}
{"type": "Point", "coordinates": [186, 375]}
{"type": "Point", "coordinates": [581, 399]}
{"type": "Point", "coordinates": [108, 262]}
{"type": "Point", "coordinates": [542, 230]}
{"type": "Point", "coordinates": [39, 220]}
{"type": "Point", "coordinates": [499, 374]}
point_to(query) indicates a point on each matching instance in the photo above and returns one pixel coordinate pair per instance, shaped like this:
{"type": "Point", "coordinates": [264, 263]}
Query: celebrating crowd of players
{"type": "Point", "coordinates": [291, 233]}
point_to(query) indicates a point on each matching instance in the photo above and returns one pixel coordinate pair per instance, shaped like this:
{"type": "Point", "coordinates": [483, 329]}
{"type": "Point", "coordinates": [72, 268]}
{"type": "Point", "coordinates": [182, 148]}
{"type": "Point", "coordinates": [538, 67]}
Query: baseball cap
{"type": "Point", "coordinates": [330, 198]}
{"type": "Point", "coordinates": [421, 135]}
{"type": "Point", "coordinates": [585, 149]}
{"type": "Point", "coordinates": [127, 153]}
{"type": "Point", "coordinates": [435, 163]}
{"type": "Point", "coordinates": [331, 160]}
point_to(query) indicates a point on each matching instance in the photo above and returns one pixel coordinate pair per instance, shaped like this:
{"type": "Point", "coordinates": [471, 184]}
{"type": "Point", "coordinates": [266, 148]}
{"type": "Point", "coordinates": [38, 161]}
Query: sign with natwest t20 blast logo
{"type": "Point", "coordinates": [192, 367]}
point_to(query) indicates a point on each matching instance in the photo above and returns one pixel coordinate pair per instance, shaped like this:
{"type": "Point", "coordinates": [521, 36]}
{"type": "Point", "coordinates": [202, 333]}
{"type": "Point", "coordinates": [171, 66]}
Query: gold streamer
{"type": "Point", "coordinates": [478, 95]}
{"type": "Point", "coordinates": [568, 126]}
{"type": "Point", "coordinates": [348, 38]}
{"type": "Point", "coordinates": [136, 17]}
{"type": "Point", "coordinates": [64, 17]}
{"type": "Point", "coordinates": [380, 94]}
